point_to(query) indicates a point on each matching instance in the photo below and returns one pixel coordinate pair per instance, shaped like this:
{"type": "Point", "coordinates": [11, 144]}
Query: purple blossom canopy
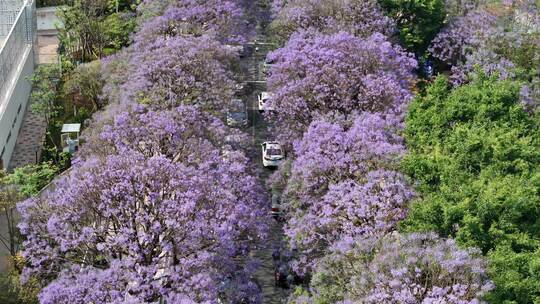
{"type": "Point", "coordinates": [132, 228]}
{"type": "Point", "coordinates": [315, 74]}
{"type": "Point", "coordinates": [462, 36]}
{"type": "Point", "coordinates": [181, 71]}
{"type": "Point", "coordinates": [222, 19]}
{"type": "Point", "coordinates": [338, 184]}
{"type": "Point", "coordinates": [348, 210]}
{"type": "Point", "coordinates": [413, 268]}
{"type": "Point", "coordinates": [331, 153]}
{"type": "Point", "coordinates": [498, 39]}
{"type": "Point", "coordinates": [358, 17]}
{"type": "Point", "coordinates": [183, 134]}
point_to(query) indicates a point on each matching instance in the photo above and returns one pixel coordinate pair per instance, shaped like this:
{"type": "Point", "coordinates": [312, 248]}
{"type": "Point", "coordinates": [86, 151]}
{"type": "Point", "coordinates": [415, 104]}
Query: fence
{"type": "Point", "coordinates": [8, 13]}
{"type": "Point", "coordinates": [21, 34]}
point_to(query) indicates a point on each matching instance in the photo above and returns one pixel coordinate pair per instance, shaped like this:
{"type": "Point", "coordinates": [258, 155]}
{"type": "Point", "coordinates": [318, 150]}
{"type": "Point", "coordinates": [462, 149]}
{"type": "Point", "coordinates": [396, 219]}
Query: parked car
{"type": "Point", "coordinates": [236, 49]}
{"type": "Point", "coordinates": [267, 66]}
{"type": "Point", "coordinates": [239, 89]}
{"type": "Point", "coordinates": [263, 99]}
{"type": "Point", "coordinates": [276, 210]}
{"type": "Point", "coordinates": [237, 115]}
{"type": "Point", "coordinates": [272, 153]}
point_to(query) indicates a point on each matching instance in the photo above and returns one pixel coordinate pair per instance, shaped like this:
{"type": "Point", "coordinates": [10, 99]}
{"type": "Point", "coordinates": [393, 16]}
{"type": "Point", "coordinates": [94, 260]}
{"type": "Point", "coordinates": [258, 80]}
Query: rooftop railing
{"type": "Point", "coordinates": [21, 34]}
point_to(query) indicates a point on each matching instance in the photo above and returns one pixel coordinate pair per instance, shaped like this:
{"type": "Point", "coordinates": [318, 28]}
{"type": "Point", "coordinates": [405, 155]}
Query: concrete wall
{"type": "Point", "coordinates": [12, 115]}
{"type": "Point", "coordinates": [47, 19]}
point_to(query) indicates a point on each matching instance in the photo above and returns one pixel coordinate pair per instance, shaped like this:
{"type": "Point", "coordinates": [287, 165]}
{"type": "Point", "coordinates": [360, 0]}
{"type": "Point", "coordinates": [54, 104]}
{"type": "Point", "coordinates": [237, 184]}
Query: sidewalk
{"type": "Point", "coordinates": [30, 140]}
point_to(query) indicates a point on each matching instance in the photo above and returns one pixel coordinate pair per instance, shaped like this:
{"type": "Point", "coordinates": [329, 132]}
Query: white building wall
{"type": "Point", "coordinates": [12, 116]}
{"type": "Point", "coordinates": [16, 65]}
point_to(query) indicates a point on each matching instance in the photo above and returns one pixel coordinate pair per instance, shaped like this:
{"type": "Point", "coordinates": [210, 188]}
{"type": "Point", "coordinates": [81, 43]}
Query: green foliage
{"type": "Point", "coordinates": [418, 21]}
{"type": "Point", "coordinates": [475, 153]}
{"type": "Point", "coordinates": [32, 178]}
{"type": "Point", "coordinates": [45, 101]}
{"type": "Point", "coordinates": [118, 26]}
{"type": "Point", "coordinates": [12, 291]}
{"type": "Point", "coordinates": [9, 196]}
{"type": "Point", "coordinates": [83, 86]}
{"type": "Point", "coordinates": [93, 29]}
{"type": "Point", "coordinates": [44, 90]}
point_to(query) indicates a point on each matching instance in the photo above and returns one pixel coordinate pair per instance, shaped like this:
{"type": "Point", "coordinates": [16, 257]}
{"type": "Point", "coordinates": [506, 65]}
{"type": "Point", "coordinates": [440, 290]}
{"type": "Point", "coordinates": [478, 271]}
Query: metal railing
{"type": "Point", "coordinates": [21, 34]}
{"type": "Point", "coordinates": [8, 14]}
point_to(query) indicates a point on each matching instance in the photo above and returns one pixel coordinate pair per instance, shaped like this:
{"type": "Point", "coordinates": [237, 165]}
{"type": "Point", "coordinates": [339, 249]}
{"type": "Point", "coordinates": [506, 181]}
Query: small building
{"type": "Point", "coordinates": [70, 137]}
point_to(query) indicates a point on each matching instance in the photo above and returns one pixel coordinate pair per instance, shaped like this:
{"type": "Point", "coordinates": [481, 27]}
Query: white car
{"type": "Point", "coordinates": [238, 50]}
{"type": "Point", "coordinates": [272, 153]}
{"type": "Point", "coordinates": [263, 99]}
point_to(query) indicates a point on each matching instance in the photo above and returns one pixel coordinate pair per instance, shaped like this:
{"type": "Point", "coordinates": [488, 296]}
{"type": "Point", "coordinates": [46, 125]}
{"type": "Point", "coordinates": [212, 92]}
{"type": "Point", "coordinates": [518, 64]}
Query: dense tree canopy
{"type": "Point", "coordinates": [417, 21]}
{"type": "Point", "coordinates": [222, 19]}
{"type": "Point", "coordinates": [341, 184]}
{"type": "Point", "coordinates": [161, 198]}
{"type": "Point", "coordinates": [475, 153]}
{"type": "Point", "coordinates": [359, 17]}
{"type": "Point", "coordinates": [384, 201]}
{"type": "Point", "coordinates": [132, 228]}
{"type": "Point", "coordinates": [497, 39]}
{"type": "Point", "coordinates": [181, 71]}
{"type": "Point", "coordinates": [413, 268]}
{"type": "Point", "coordinates": [153, 209]}
{"type": "Point", "coordinates": [316, 74]}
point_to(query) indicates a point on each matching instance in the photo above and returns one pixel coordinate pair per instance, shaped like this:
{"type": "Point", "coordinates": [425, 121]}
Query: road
{"type": "Point", "coordinates": [259, 129]}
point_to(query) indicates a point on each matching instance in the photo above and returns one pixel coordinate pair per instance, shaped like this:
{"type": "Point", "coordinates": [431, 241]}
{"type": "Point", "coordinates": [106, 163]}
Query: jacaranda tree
{"type": "Point", "coordinates": [342, 184]}
{"type": "Point", "coordinates": [411, 268]}
{"type": "Point", "coordinates": [499, 39]}
{"type": "Point", "coordinates": [162, 214]}
{"type": "Point", "coordinates": [153, 209]}
{"type": "Point", "coordinates": [181, 71]}
{"type": "Point", "coordinates": [359, 17]}
{"type": "Point", "coordinates": [317, 74]}
{"type": "Point", "coordinates": [222, 19]}
{"type": "Point", "coordinates": [128, 228]}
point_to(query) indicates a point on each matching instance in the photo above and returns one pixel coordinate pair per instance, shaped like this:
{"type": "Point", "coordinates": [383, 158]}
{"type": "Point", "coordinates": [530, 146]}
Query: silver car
{"type": "Point", "coordinates": [237, 115]}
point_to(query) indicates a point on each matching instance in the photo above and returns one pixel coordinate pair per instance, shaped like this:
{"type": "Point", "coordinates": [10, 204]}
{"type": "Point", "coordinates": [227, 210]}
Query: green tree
{"type": "Point", "coordinates": [475, 153]}
{"type": "Point", "coordinates": [44, 91]}
{"type": "Point", "coordinates": [418, 21]}
{"type": "Point", "coordinates": [9, 196]}
{"type": "Point", "coordinates": [44, 98]}
{"type": "Point", "coordinates": [32, 178]}
{"type": "Point", "coordinates": [92, 29]}
{"type": "Point", "coordinates": [84, 84]}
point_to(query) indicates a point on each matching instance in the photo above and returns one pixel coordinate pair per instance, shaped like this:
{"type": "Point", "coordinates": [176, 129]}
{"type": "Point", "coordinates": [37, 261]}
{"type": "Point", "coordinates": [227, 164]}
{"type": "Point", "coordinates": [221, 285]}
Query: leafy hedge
{"type": "Point", "coordinates": [475, 153]}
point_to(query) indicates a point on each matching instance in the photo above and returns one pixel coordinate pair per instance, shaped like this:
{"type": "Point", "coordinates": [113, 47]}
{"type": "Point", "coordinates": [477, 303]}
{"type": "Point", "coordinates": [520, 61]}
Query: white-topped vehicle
{"type": "Point", "coordinates": [263, 99]}
{"type": "Point", "coordinates": [272, 153]}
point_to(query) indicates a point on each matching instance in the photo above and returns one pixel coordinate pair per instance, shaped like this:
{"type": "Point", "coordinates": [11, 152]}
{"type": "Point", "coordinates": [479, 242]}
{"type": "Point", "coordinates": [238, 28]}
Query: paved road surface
{"type": "Point", "coordinates": [259, 130]}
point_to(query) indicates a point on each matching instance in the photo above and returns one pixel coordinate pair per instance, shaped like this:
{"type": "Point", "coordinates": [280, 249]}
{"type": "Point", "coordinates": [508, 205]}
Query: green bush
{"type": "Point", "coordinates": [475, 154]}
{"type": "Point", "coordinates": [418, 21]}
